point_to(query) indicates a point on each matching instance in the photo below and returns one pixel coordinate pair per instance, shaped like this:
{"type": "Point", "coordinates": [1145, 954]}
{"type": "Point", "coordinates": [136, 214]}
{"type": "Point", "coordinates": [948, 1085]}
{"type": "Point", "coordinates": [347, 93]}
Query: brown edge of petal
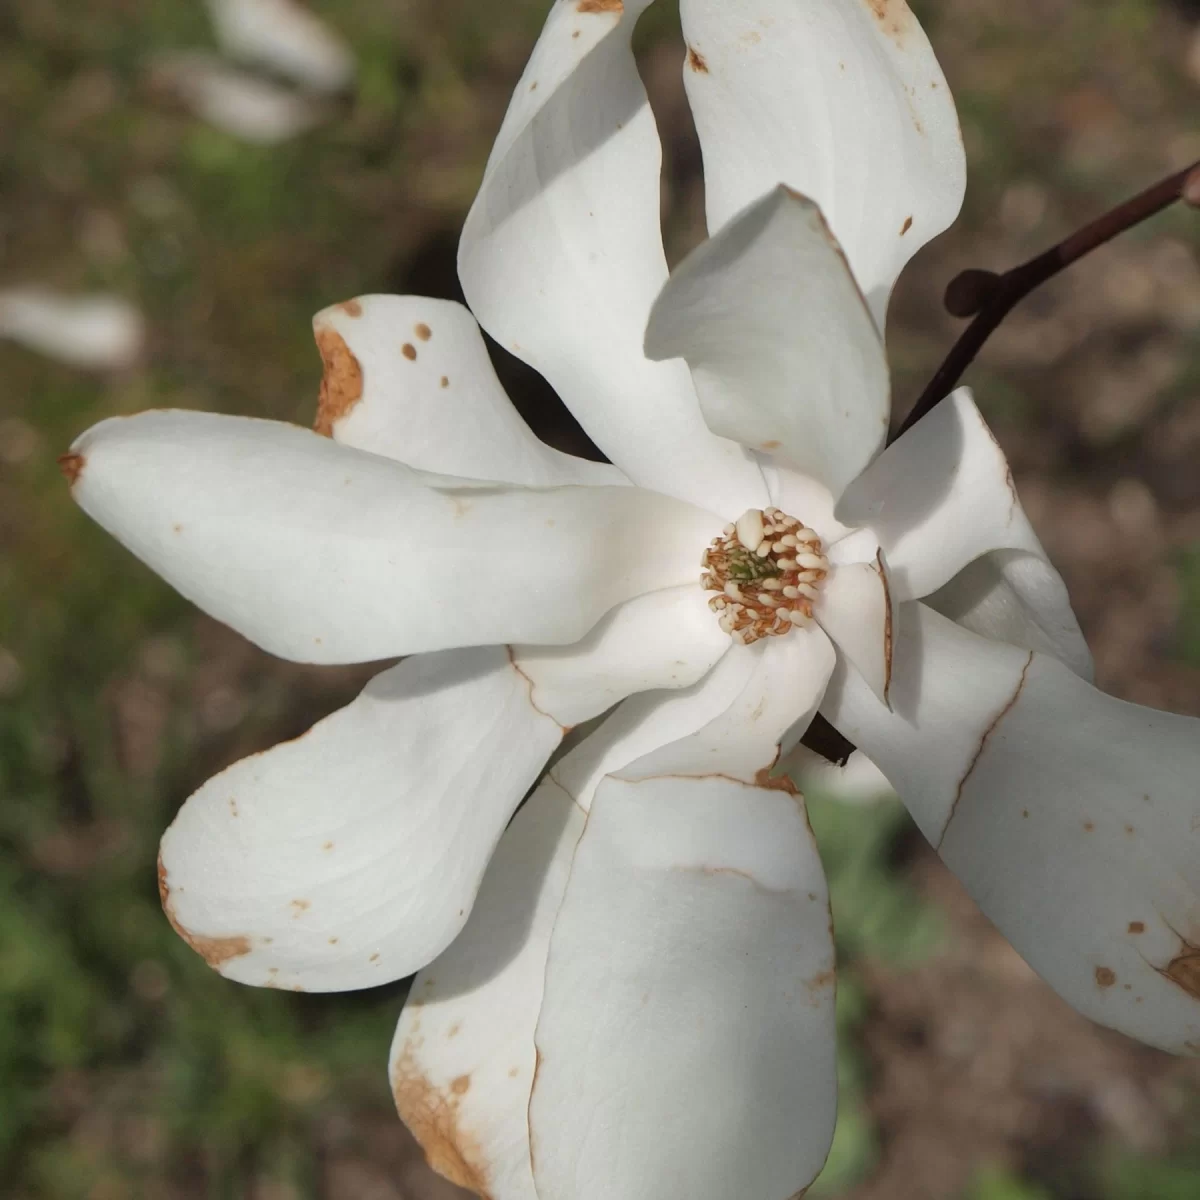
{"type": "Point", "coordinates": [71, 465]}
{"type": "Point", "coordinates": [433, 1118]}
{"type": "Point", "coordinates": [983, 741]}
{"type": "Point", "coordinates": [887, 626]}
{"type": "Point", "coordinates": [600, 6]}
{"type": "Point", "coordinates": [342, 383]}
{"type": "Point", "coordinates": [216, 951]}
{"type": "Point", "coordinates": [696, 61]}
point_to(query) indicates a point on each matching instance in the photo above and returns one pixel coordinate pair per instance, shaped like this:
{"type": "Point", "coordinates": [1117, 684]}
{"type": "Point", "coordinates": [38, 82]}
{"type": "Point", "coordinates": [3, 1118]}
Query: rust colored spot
{"type": "Point", "coordinates": [176, 528]}
{"type": "Point", "coordinates": [333, 941]}
{"type": "Point", "coordinates": [454, 1030]}
{"type": "Point", "coordinates": [695, 60]}
{"type": "Point", "coordinates": [1025, 813]}
{"type": "Point", "coordinates": [906, 226]}
{"type": "Point", "coordinates": [71, 465]}
{"type": "Point", "coordinates": [823, 980]}
{"type": "Point", "coordinates": [299, 906]}
{"type": "Point", "coordinates": [327, 846]}
{"type": "Point", "coordinates": [575, 34]}
{"type": "Point", "coordinates": [771, 445]}
{"type": "Point", "coordinates": [1129, 829]}
{"type": "Point", "coordinates": [423, 331]}
{"type": "Point", "coordinates": [1089, 827]}
{"type": "Point", "coordinates": [1105, 977]}
{"type": "Point", "coordinates": [445, 381]}
{"type": "Point", "coordinates": [1137, 926]}
{"type": "Point", "coordinates": [373, 958]}
{"type": "Point", "coordinates": [1184, 970]}
{"type": "Point", "coordinates": [432, 1115]}
{"type": "Point", "coordinates": [775, 783]}
{"type": "Point", "coordinates": [352, 308]}
{"type": "Point", "coordinates": [233, 808]}
{"type": "Point", "coordinates": [342, 383]}
{"type": "Point", "coordinates": [409, 351]}
{"type": "Point", "coordinates": [533, 86]}
{"type": "Point", "coordinates": [215, 951]}
{"type": "Point", "coordinates": [600, 6]}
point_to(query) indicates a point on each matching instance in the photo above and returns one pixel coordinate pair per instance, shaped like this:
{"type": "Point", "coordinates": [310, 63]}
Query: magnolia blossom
{"type": "Point", "coordinates": [626, 991]}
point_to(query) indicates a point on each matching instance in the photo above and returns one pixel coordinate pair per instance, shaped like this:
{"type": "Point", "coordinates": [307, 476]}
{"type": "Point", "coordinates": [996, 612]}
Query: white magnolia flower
{"type": "Point", "coordinates": [641, 1001]}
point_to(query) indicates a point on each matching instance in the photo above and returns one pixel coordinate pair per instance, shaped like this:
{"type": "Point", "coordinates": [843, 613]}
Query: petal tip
{"type": "Point", "coordinates": [71, 465]}
{"type": "Point", "coordinates": [216, 951]}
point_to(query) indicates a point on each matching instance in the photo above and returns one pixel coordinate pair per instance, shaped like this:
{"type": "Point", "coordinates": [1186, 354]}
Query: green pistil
{"type": "Point", "coordinates": [745, 567]}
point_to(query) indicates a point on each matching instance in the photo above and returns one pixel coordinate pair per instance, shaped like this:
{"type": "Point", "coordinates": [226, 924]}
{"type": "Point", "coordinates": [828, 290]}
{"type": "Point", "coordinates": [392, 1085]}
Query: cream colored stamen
{"type": "Point", "coordinates": [766, 570]}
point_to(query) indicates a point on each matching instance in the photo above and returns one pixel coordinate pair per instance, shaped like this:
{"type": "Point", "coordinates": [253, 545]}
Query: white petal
{"type": "Point", "coordinates": [842, 100]}
{"type": "Point", "coordinates": [235, 102]}
{"type": "Point", "coordinates": [283, 35]}
{"type": "Point", "coordinates": [1018, 598]}
{"type": "Point", "coordinates": [686, 1039]}
{"type": "Point", "coordinates": [943, 496]}
{"type": "Point", "coordinates": [754, 698]}
{"type": "Point", "coordinates": [803, 498]}
{"type": "Point", "coordinates": [351, 856]}
{"type": "Point", "coordinates": [323, 553]}
{"type": "Point", "coordinates": [783, 352]}
{"type": "Point", "coordinates": [410, 378]}
{"type": "Point", "coordinates": [98, 332]}
{"type": "Point", "coordinates": [463, 1058]}
{"type": "Point", "coordinates": [561, 257]}
{"type": "Point", "coordinates": [1070, 816]}
{"type": "Point", "coordinates": [857, 611]}
{"type": "Point", "coordinates": [666, 639]}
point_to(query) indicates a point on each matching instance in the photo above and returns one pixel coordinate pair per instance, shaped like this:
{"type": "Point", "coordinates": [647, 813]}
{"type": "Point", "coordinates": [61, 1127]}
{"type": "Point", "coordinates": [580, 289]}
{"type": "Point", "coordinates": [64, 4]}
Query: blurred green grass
{"type": "Point", "coordinates": [126, 1067]}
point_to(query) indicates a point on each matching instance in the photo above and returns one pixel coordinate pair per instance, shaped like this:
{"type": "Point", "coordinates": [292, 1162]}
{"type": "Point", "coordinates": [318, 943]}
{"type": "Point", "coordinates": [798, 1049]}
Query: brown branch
{"type": "Point", "coordinates": [989, 298]}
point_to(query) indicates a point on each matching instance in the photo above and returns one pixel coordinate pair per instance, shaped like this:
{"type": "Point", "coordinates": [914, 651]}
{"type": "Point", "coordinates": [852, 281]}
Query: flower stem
{"type": "Point", "coordinates": [989, 298]}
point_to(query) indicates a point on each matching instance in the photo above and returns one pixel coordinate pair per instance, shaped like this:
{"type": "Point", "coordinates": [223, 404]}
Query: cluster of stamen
{"type": "Point", "coordinates": [766, 569]}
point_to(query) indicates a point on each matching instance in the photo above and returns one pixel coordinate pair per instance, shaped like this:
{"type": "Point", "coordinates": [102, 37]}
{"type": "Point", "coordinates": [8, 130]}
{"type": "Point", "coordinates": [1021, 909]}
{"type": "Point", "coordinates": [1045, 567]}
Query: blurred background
{"type": "Point", "coordinates": [179, 192]}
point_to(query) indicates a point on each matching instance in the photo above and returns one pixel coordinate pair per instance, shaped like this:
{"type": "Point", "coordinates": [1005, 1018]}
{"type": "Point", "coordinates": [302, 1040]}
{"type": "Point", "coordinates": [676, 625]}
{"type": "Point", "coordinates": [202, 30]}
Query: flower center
{"type": "Point", "coordinates": [767, 569]}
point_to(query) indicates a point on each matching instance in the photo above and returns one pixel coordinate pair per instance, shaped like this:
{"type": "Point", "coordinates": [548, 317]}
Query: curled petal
{"type": "Point", "coordinates": [840, 99]}
{"type": "Point", "coordinates": [666, 639]}
{"type": "Point", "coordinates": [410, 378]}
{"type": "Point", "coordinates": [561, 257]}
{"type": "Point", "coordinates": [858, 612]}
{"type": "Point", "coordinates": [783, 352]}
{"type": "Point", "coordinates": [941, 498]}
{"type": "Point", "coordinates": [1070, 816]}
{"type": "Point", "coordinates": [322, 553]}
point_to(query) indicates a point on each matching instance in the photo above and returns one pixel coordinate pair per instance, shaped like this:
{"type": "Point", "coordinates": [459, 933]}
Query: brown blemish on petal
{"type": "Point", "coordinates": [600, 6]}
{"type": "Point", "coordinates": [908, 222]}
{"type": "Point", "coordinates": [352, 308]}
{"type": "Point", "coordinates": [71, 465]}
{"type": "Point", "coordinates": [1089, 827]}
{"type": "Point", "coordinates": [445, 381]}
{"type": "Point", "coordinates": [409, 351]}
{"type": "Point", "coordinates": [298, 907]}
{"type": "Point", "coordinates": [423, 331]}
{"type": "Point", "coordinates": [1137, 926]}
{"type": "Point", "coordinates": [695, 60]}
{"type": "Point", "coordinates": [1105, 977]}
{"type": "Point", "coordinates": [216, 951]}
{"type": "Point", "coordinates": [454, 1030]}
{"type": "Point", "coordinates": [233, 807]}
{"type": "Point", "coordinates": [983, 741]}
{"type": "Point", "coordinates": [771, 445]}
{"type": "Point", "coordinates": [775, 783]}
{"type": "Point", "coordinates": [327, 846]}
{"type": "Point", "coordinates": [433, 1117]}
{"type": "Point", "coordinates": [1184, 970]}
{"type": "Point", "coordinates": [342, 383]}
{"type": "Point", "coordinates": [374, 958]}
{"type": "Point", "coordinates": [512, 660]}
